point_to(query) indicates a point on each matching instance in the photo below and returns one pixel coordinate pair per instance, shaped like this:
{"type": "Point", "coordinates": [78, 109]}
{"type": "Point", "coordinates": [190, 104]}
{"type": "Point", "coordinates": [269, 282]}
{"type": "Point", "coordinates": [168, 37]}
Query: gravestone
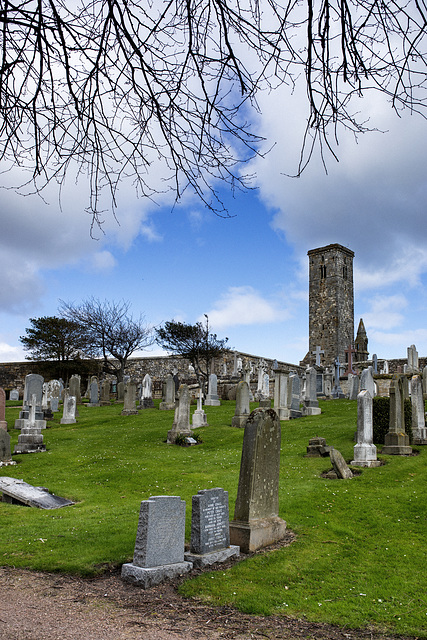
{"type": "Point", "coordinates": [5, 452]}
{"type": "Point", "coordinates": [168, 402]}
{"type": "Point", "coordinates": [412, 359]}
{"type": "Point", "coordinates": [105, 393]}
{"type": "Point", "coordinates": [3, 423]}
{"type": "Point", "coordinates": [33, 387]}
{"type": "Point", "coordinates": [210, 529]}
{"type": "Point", "coordinates": [311, 403]}
{"type": "Point", "coordinates": [45, 396]}
{"type": "Point", "coordinates": [419, 431]}
{"type": "Point", "coordinates": [337, 392]}
{"type": "Point", "coordinates": [120, 391]}
{"type": "Point", "coordinates": [425, 382]}
{"type": "Point", "coordinates": [159, 546]}
{"type": "Point", "coordinates": [261, 371]}
{"type": "Point", "coordinates": [317, 448]}
{"type": "Point", "coordinates": [339, 465]}
{"type": "Point", "coordinates": [181, 424]}
{"type": "Point", "coordinates": [14, 395]}
{"type": "Point", "coordinates": [242, 405]}
{"type": "Point", "coordinates": [147, 393]}
{"type": "Point", "coordinates": [353, 386]}
{"type": "Point", "coordinates": [69, 413]}
{"type": "Point", "coordinates": [295, 396]}
{"type": "Point", "coordinates": [280, 405]}
{"type": "Point", "coordinates": [129, 405]}
{"type": "Point", "coordinates": [318, 353]}
{"type": "Point", "coordinates": [396, 441]}
{"type": "Point", "coordinates": [212, 399]}
{"type": "Point", "coordinates": [256, 522]}
{"type": "Point", "coordinates": [386, 367]}
{"type": "Point", "coordinates": [367, 381]}
{"type": "Point", "coordinates": [74, 388]}
{"type": "Point", "coordinates": [365, 452]}
{"type": "Point", "coordinates": [55, 389]}
{"type": "Point", "coordinates": [19, 492]}
{"type": "Point", "coordinates": [30, 440]}
{"type": "Point", "coordinates": [327, 383]}
{"type": "Point", "coordinates": [199, 418]}
{"type": "Point", "coordinates": [246, 376]}
{"type": "Point", "coordinates": [375, 363]}
{"type": "Point", "coordinates": [94, 392]}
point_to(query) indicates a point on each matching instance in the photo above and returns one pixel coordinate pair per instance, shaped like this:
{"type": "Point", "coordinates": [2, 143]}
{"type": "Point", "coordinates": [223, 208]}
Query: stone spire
{"type": "Point", "coordinates": [361, 343]}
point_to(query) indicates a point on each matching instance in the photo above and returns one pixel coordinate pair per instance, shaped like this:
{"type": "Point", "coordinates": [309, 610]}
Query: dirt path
{"type": "Point", "coordinates": [46, 606]}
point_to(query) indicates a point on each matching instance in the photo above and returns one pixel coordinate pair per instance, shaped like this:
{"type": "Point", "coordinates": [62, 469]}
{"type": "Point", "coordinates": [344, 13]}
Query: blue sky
{"type": "Point", "coordinates": [249, 273]}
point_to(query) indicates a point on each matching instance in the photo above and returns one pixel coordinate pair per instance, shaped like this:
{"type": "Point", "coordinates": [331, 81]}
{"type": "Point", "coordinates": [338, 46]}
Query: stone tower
{"type": "Point", "coordinates": [331, 302]}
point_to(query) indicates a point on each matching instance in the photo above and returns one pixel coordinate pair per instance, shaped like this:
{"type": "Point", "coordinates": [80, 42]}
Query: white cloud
{"type": "Point", "coordinates": [244, 306]}
{"type": "Point", "coordinates": [385, 312]}
{"type": "Point", "coordinates": [397, 342]}
{"type": "Point", "coordinates": [103, 261]}
{"type": "Point", "coordinates": [8, 353]}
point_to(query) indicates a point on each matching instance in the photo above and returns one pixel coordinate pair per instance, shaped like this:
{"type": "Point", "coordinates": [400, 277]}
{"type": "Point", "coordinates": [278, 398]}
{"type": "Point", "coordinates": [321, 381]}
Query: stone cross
{"type": "Point", "coordinates": [349, 353]}
{"type": "Point", "coordinates": [318, 352]}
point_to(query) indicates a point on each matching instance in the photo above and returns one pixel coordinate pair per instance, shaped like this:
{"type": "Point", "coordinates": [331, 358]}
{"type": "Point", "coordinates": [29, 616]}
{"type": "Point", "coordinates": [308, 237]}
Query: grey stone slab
{"type": "Point", "coordinates": [206, 559]}
{"type": "Point", "coordinates": [339, 464]}
{"type": "Point", "coordinates": [146, 577]}
{"type": "Point", "coordinates": [210, 529]}
{"type": "Point", "coordinates": [18, 491]}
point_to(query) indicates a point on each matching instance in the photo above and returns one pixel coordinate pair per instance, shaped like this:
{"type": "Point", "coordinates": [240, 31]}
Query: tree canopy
{"type": "Point", "coordinates": [114, 87]}
{"type": "Point", "coordinates": [194, 342]}
{"type": "Point", "coordinates": [52, 338]}
{"type": "Point", "coordinates": [111, 331]}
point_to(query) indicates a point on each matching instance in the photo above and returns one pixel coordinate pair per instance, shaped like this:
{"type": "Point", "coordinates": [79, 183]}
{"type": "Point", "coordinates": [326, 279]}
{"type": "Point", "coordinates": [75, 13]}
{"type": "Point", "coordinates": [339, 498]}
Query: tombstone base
{"type": "Point", "coordinates": [93, 404]}
{"type": "Point", "coordinates": [67, 421]}
{"type": "Point", "coordinates": [147, 403]}
{"type": "Point", "coordinates": [167, 406]}
{"type": "Point", "coordinates": [265, 403]}
{"type": "Point", "coordinates": [199, 419]}
{"type": "Point", "coordinates": [256, 534]}
{"type": "Point", "coordinates": [365, 455]}
{"type": "Point", "coordinates": [311, 411]}
{"type": "Point", "coordinates": [212, 402]}
{"type": "Point", "coordinates": [22, 423]}
{"type": "Point", "coordinates": [129, 412]}
{"type": "Point", "coordinates": [419, 441]}
{"type": "Point", "coordinates": [206, 559]}
{"type": "Point", "coordinates": [396, 444]}
{"type": "Point", "coordinates": [239, 421]}
{"type": "Point", "coordinates": [283, 413]}
{"type": "Point", "coordinates": [295, 414]}
{"type": "Point", "coordinates": [419, 435]}
{"type": "Point", "coordinates": [173, 434]}
{"type": "Point", "coordinates": [145, 577]}
{"type": "Point", "coordinates": [28, 447]}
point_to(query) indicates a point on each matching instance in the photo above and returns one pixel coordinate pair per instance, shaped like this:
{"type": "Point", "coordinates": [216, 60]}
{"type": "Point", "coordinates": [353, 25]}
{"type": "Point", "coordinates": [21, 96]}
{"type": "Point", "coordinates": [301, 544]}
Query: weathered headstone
{"type": "Point", "coordinates": [5, 452]}
{"type": "Point", "coordinates": [353, 386]}
{"type": "Point", "coordinates": [74, 388]}
{"type": "Point", "coordinates": [120, 391]}
{"type": "Point", "coordinates": [365, 452]}
{"type": "Point", "coordinates": [69, 413]}
{"type": "Point", "coordinates": [311, 403]}
{"type": "Point", "coordinates": [168, 402]}
{"type": "Point", "coordinates": [19, 492]}
{"type": "Point", "coordinates": [30, 440]}
{"type": "Point", "coordinates": [419, 431]}
{"type": "Point", "coordinates": [210, 529]}
{"type": "Point", "coordinates": [199, 418]}
{"type": "Point", "coordinates": [375, 363]}
{"type": "Point", "coordinates": [94, 392]}
{"type": "Point", "coordinates": [327, 383]}
{"type": "Point", "coordinates": [105, 393]}
{"type": "Point", "coordinates": [295, 395]}
{"type": "Point", "coordinates": [396, 441]}
{"type": "Point", "coordinates": [212, 399]}
{"type": "Point", "coordinates": [242, 405]}
{"type": "Point", "coordinates": [256, 522]}
{"type": "Point", "coordinates": [3, 423]}
{"type": "Point", "coordinates": [246, 376]}
{"type": "Point", "coordinates": [339, 465]}
{"type": "Point", "coordinates": [55, 392]}
{"type": "Point", "coordinates": [129, 405]}
{"type": "Point", "coordinates": [159, 546]}
{"type": "Point", "coordinates": [33, 387]}
{"type": "Point", "coordinates": [425, 382]}
{"type": "Point", "coordinates": [367, 381]}
{"type": "Point", "coordinates": [280, 405]}
{"type": "Point", "coordinates": [385, 368]}
{"type": "Point", "coordinates": [317, 448]}
{"type": "Point", "coordinates": [14, 395]}
{"type": "Point", "coordinates": [337, 392]}
{"type": "Point", "coordinates": [147, 401]}
{"type": "Point", "coordinates": [181, 424]}
{"type": "Point", "coordinates": [412, 359]}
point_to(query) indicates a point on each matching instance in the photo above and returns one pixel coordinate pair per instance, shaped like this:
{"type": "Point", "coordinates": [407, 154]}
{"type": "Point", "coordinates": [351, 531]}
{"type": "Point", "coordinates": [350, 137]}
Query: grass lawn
{"type": "Point", "coordinates": [359, 558]}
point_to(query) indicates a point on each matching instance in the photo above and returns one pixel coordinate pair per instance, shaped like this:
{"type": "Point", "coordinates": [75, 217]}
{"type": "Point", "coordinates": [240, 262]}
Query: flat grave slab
{"type": "Point", "coordinates": [19, 492]}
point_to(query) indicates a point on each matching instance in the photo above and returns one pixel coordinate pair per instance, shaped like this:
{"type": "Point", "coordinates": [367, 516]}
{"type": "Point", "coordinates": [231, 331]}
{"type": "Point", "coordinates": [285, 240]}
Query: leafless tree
{"type": "Point", "coordinates": [113, 86]}
{"type": "Point", "coordinates": [110, 330]}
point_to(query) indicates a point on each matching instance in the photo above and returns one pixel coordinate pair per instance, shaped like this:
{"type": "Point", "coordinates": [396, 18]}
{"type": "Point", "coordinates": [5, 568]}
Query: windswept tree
{"type": "Point", "coordinates": [194, 342]}
{"type": "Point", "coordinates": [111, 331]}
{"type": "Point", "coordinates": [113, 87]}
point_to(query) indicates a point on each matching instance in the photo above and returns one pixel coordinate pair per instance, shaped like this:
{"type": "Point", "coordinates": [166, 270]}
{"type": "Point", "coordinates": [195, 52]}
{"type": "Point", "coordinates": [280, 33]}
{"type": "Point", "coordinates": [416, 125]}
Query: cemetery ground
{"type": "Point", "coordinates": [357, 562]}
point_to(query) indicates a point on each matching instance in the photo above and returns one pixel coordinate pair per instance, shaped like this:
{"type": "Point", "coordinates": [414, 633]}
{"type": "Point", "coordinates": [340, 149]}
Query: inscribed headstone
{"type": "Point", "coordinates": [168, 402]}
{"type": "Point", "coordinates": [212, 399]}
{"type": "Point", "coordinates": [242, 405]}
{"type": "Point", "coordinates": [69, 413]}
{"type": "Point", "coordinates": [396, 441]}
{"type": "Point", "coordinates": [280, 405]}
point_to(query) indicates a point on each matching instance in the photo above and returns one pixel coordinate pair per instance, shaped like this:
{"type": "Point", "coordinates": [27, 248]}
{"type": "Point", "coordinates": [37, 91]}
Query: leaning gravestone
{"type": "Point", "coordinates": [3, 423]}
{"type": "Point", "coordinates": [210, 529]}
{"type": "Point", "coordinates": [419, 431]}
{"type": "Point", "coordinates": [5, 452]}
{"type": "Point", "coordinates": [19, 492]}
{"type": "Point", "coordinates": [242, 405]}
{"type": "Point", "coordinates": [181, 424]}
{"type": "Point", "coordinates": [339, 465]}
{"type": "Point", "coordinates": [365, 452]}
{"type": "Point", "coordinates": [69, 413]}
{"type": "Point", "coordinates": [159, 546]}
{"type": "Point", "coordinates": [129, 404]}
{"type": "Point", "coordinates": [168, 401]}
{"type": "Point", "coordinates": [256, 523]}
{"type": "Point", "coordinates": [396, 441]}
{"type": "Point", "coordinates": [212, 399]}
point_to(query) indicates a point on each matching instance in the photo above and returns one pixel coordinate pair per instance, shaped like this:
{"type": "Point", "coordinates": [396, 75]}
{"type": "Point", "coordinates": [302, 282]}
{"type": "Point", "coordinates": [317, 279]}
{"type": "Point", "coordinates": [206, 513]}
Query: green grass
{"type": "Point", "coordinates": [359, 556]}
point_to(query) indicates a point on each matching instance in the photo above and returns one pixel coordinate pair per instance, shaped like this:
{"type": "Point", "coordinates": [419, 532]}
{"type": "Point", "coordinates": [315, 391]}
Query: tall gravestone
{"type": "Point", "coordinates": [396, 441]}
{"type": "Point", "coordinates": [365, 452]}
{"type": "Point", "coordinates": [74, 388]}
{"type": "Point", "coordinates": [54, 395]}
{"type": "Point", "coordinates": [159, 546]}
{"type": "Point", "coordinates": [311, 403]}
{"type": "Point", "coordinates": [419, 431]}
{"type": "Point", "coordinates": [69, 413]}
{"type": "Point", "coordinates": [212, 399]}
{"type": "Point", "coordinates": [120, 391]}
{"type": "Point", "coordinates": [256, 522]}
{"type": "Point", "coordinates": [33, 387]}
{"type": "Point", "coordinates": [168, 402]}
{"type": "Point", "coordinates": [147, 401]}
{"type": "Point", "coordinates": [295, 396]}
{"type": "Point", "coordinates": [367, 381]}
{"type": "Point", "coordinates": [242, 405]}
{"type": "Point", "coordinates": [3, 423]}
{"type": "Point", "coordinates": [181, 424]}
{"type": "Point", "coordinates": [210, 529]}
{"type": "Point", "coordinates": [281, 382]}
{"type": "Point", "coordinates": [129, 404]}
{"type": "Point", "coordinates": [5, 452]}
{"type": "Point", "coordinates": [199, 418]}
{"type": "Point", "coordinates": [105, 393]}
{"type": "Point", "coordinates": [30, 440]}
{"type": "Point", "coordinates": [94, 392]}
{"type": "Point", "coordinates": [353, 386]}
{"type": "Point", "coordinates": [337, 392]}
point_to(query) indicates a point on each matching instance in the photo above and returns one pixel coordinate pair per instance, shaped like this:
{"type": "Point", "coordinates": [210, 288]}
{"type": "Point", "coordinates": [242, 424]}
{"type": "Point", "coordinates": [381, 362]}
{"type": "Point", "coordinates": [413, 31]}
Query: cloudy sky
{"type": "Point", "coordinates": [249, 273]}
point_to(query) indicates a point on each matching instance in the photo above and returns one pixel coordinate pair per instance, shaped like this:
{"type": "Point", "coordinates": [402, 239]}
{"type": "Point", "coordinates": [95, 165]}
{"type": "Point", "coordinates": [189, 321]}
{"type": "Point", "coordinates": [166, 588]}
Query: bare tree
{"type": "Point", "coordinates": [115, 85]}
{"type": "Point", "coordinates": [110, 330]}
